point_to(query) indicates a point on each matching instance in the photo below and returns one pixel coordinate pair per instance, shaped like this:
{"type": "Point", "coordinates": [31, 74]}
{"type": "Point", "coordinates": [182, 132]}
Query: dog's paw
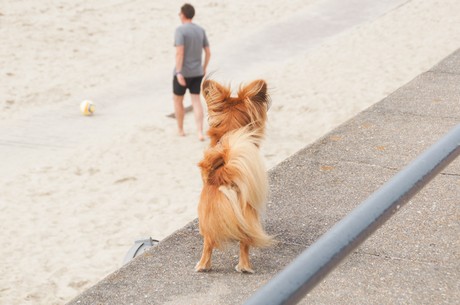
{"type": "Point", "coordinates": [244, 269]}
{"type": "Point", "coordinates": [202, 268]}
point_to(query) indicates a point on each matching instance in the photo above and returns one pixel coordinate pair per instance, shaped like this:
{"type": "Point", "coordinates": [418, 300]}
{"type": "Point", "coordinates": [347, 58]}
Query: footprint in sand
{"type": "Point", "coordinates": [126, 179]}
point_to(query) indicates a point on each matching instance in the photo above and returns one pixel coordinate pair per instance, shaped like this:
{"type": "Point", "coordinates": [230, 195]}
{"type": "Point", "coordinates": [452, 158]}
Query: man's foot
{"type": "Point", "coordinates": [181, 133]}
{"type": "Point", "coordinates": [200, 136]}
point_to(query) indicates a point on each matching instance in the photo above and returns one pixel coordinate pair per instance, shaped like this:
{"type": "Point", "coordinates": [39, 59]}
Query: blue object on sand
{"type": "Point", "coordinates": [139, 247]}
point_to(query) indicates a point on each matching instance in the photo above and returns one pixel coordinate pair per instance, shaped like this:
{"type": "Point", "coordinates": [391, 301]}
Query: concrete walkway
{"type": "Point", "coordinates": [413, 259]}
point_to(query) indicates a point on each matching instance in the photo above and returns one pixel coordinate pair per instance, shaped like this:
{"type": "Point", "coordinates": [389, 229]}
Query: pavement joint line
{"type": "Point", "coordinates": [293, 244]}
{"type": "Point", "coordinates": [449, 174]}
{"type": "Point", "coordinates": [389, 257]}
{"type": "Point", "coordinates": [321, 161]}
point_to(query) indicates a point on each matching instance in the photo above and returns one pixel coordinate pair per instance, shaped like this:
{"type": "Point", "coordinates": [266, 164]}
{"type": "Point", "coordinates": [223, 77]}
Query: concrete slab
{"type": "Point", "coordinates": [433, 93]}
{"type": "Point", "coordinates": [374, 279]}
{"type": "Point", "coordinates": [386, 139]}
{"type": "Point", "coordinates": [426, 229]}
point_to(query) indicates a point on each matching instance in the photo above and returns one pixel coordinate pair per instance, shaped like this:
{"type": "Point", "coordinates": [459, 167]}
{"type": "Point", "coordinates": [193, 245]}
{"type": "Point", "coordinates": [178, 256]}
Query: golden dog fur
{"type": "Point", "coordinates": [235, 184]}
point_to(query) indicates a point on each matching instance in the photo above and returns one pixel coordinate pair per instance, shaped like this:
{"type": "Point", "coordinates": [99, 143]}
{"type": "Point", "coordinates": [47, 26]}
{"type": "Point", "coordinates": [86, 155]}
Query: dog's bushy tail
{"type": "Point", "coordinates": [235, 189]}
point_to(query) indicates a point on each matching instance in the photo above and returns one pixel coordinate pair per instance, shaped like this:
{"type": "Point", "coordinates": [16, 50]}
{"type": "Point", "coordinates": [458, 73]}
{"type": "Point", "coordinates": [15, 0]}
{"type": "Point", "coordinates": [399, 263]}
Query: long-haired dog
{"type": "Point", "coordinates": [235, 183]}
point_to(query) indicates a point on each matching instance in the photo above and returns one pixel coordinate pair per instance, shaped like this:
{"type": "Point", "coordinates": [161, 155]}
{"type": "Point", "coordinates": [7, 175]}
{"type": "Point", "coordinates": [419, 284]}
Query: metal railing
{"type": "Point", "coordinates": [310, 267]}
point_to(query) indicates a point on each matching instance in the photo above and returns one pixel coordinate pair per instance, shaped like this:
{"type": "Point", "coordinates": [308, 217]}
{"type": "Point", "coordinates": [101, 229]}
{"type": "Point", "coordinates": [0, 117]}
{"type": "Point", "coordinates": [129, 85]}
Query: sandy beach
{"type": "Point", "coordinates": [76, 191]}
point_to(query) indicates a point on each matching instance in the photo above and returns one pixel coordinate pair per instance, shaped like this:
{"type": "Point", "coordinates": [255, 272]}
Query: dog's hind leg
{"type": "Point", "coordinates": [205, 262]}
{"type": "Point", "coordinates": [244, 265]}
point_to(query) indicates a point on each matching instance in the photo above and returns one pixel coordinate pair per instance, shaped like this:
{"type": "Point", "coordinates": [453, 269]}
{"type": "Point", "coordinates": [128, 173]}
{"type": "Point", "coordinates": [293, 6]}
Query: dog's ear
{"type": "Point", "coordinates": [206, 86]}
{"type": "Point", "coordinates": [256, 91]}
{"type": "Point", "coordinates": [213, 91]}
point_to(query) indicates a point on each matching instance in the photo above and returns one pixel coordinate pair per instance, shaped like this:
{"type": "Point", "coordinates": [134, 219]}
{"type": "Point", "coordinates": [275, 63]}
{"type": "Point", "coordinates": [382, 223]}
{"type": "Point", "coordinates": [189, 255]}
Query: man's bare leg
{"type": "Point", "coordinates": [198, 111]}
{"type": "Point", "coordinates": [179, 112]}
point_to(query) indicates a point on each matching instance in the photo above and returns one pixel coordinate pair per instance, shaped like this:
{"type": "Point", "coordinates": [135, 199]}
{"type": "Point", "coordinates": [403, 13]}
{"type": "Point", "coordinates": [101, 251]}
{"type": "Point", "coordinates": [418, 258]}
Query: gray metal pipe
{"type": "Point", "coordinates": [310, 267]}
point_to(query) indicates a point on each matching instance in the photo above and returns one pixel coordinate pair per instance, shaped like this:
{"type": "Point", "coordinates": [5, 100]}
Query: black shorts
{"type": "Point", "coordinates": [193, 84]}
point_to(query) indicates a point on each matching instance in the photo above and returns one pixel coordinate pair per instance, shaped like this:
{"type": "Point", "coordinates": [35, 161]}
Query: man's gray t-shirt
{"type": "Point", "coordinates": [193, 38]}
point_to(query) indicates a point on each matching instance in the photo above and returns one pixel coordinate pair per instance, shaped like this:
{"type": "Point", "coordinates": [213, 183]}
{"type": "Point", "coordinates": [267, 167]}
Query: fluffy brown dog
{"type": "Point", "coordinates": [235, 182]}
{"type": "Point", "coordinates": [227, 113]}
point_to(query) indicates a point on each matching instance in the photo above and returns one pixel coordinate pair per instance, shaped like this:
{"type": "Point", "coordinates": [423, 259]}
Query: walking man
{"type": "Point", "coordinates": [190, 40]}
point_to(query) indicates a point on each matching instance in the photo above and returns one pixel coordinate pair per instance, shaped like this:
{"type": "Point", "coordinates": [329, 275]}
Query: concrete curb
{"type": "Point", "coordinates": [413, 259]}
